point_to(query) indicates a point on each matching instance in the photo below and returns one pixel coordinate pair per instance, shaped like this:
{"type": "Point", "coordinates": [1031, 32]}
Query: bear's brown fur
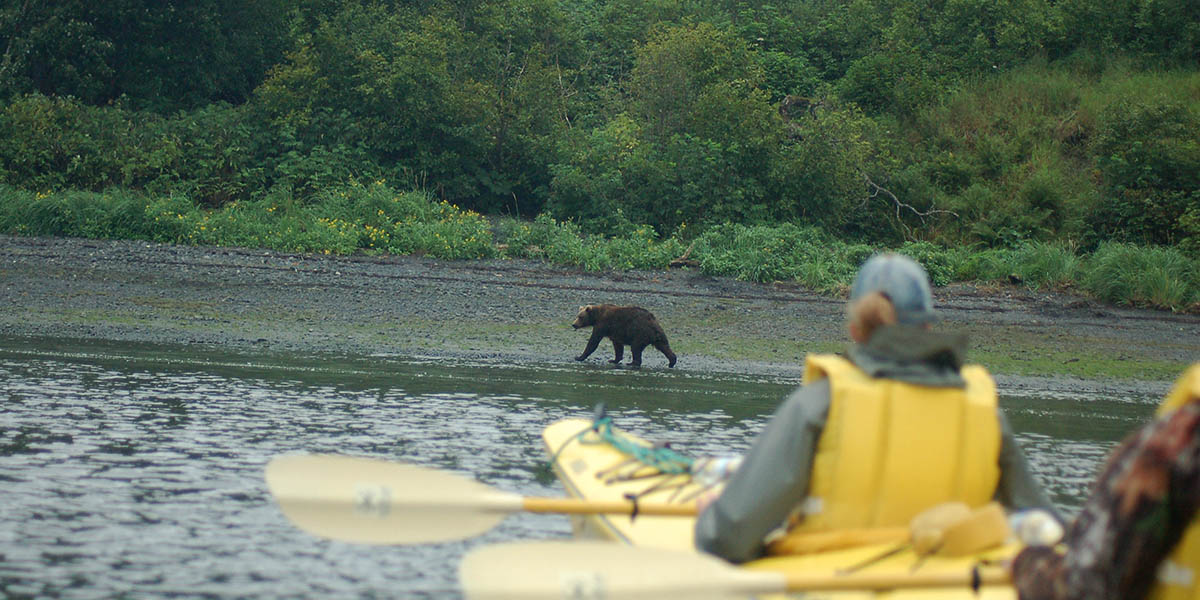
{"type": "Point", "coordinates": [631, 326]}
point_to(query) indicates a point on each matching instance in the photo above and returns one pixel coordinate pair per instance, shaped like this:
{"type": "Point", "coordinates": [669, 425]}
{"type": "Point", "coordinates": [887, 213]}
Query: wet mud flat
{"type": "Point", "coordinates": [518, 311]}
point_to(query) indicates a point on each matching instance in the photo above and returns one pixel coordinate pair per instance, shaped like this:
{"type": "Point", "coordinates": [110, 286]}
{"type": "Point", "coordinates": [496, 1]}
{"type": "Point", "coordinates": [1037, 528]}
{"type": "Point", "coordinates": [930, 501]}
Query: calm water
{"type": "Point", "coordinates": [128, 471]}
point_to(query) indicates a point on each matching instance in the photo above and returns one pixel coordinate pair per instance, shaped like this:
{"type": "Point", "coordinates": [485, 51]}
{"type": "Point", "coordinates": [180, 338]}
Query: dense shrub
{"type": "Point", "coordinates": [779, 253]}
{"type": "Point", "coordinates": [117, 214]}
{"type": "Point", "coordinates": [357, 217]}
{"type": "Point", "coordinates": [1035, 265]}
{"type": "Point", "coordinates": [1162, 31]}
{"type": "Point", "coordinates": [563, 242]}
{"type": "Point", "coordinates": [1148, 152]}
{"type": "Point", "coordinates": [818, 177]}
{"type": "Point", "coordinates": [699, 133]}
{"type": "Point", "coordinates": [1154, 277]}
{"type": "Point", "coordinates": [896, 81]}
{"type": "Point", "coordinates": [53, 144]}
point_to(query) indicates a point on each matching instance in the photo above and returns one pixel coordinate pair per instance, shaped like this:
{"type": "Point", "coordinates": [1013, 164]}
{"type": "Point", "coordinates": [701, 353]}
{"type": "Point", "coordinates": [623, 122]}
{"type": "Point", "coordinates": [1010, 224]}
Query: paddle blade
{"type": "Point", "coordinates": [595, 570]}
{"type": "Point", "coordinates": [371, 501]}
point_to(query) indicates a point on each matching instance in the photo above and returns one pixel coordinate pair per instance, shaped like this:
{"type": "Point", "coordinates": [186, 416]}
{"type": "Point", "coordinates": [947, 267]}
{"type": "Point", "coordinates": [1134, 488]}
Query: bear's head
{"type": "Point", "coordinates": [586, 316]}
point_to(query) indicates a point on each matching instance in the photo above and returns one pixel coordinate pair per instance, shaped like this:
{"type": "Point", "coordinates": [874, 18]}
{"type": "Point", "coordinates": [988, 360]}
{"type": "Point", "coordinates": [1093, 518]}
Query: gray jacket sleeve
{"type": "Point", "coordinates": [1017, 489]}
{"type": "Point", "coordinates": [771, 481]}
{"type": "Point", "coordinates": [774, 476]}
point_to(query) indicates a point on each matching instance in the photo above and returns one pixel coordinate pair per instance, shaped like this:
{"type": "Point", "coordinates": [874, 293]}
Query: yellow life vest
{"type": "Point", "coordinates": [890, 449]}
{"type": "Point", "coordinates": [1178, 573]}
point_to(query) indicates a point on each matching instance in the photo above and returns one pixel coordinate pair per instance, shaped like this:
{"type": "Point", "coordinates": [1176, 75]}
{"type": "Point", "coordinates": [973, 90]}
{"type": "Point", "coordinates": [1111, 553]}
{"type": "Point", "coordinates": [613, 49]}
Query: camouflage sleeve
{"type": "Point", "coordinates": [1145, 497]}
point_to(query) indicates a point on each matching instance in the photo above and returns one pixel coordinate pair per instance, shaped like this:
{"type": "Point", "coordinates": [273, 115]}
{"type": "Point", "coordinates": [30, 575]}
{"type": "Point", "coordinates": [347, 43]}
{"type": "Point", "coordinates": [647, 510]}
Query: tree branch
{"type": "Point", "coordinates": [877, 189]}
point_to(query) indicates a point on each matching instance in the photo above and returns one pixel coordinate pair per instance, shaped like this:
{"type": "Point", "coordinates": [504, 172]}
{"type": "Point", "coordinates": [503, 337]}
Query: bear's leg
{"type": "Point", "coordinates": [637, 355]}
{"type": "Point", "coordinates": [665, 348]}
{"type": "Point", "coordinates": [618, 351]}
{"type": "Point", "coordinates": [593, 343]}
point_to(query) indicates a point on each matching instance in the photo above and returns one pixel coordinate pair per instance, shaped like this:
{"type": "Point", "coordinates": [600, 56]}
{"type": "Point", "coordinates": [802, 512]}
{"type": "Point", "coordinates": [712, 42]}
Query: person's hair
{"type": "Point", "coordinates": [870, 312]}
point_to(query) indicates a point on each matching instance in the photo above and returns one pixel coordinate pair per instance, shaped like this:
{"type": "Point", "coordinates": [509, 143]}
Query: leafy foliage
{"type": "Point", "coordinates": [564, 243]}
{"type": "Point", "coordinates": [1011, 129]}
{"type": "Point", "coordinates": [1149, 156]}
{"type": "Point", "coordinates": [355, 218]}
{"type": "Point", "coordinates": [181, 55]}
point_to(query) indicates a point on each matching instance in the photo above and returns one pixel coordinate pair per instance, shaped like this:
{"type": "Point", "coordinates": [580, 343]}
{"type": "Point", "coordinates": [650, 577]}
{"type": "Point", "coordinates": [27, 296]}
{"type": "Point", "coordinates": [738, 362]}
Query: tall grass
{"type": "Point", "coordinates": [562, 242]}
{"type": "Point", "coordinates": [370, 218]}
{"type": "Point", "coordinates": [1155, 277]}
{"type": "Point", "coordinates": [376, 219]}
{"type": "Point", "coordinates": [764, 253]}
{"type": "Point", "coordinates": [118, 214]}
{"type": "Point", "coordinates": [1036, 265]}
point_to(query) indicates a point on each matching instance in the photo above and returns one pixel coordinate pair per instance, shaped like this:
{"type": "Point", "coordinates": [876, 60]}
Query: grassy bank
{"type": "Point", "coordinates": [375, 218]}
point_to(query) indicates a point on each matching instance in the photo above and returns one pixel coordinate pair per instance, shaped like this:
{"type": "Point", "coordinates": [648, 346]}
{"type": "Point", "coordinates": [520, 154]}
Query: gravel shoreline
{"type": "Point", "coordinates": [518, 311]}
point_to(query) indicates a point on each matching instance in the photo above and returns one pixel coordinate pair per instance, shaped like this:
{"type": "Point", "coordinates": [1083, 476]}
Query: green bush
{"type": "Point", "coordinates": [1155, 277]}
{"type": "Point", "coordinates": [1190, 222]}
{"type": "Point", "coordinates": [938, 262]}
{"type": "Point", "coordinates": [353, 218]}
{"type": "Point", "coordinates": [1163, 31]}
{"type": "Point", "coordinates": [694, 145]}
{"type": "Point", "coordinates": [775, 253]}
{"type": "Point", "coordinates": [593, 186]}
{"type": "Point", "coordinates": [50, 144]}
{"type": "Point", "coordinates": [1148, 153]}
{"type": "Point", "coordinates": [897, 81]}
{"type": "Point", "coordinates": [564, 243]}
{"type": "Point", "coordinates": [1036, 265]}
{"type": "Point", "coordinates": [995, 221]}
{"type": "Point", "coordinates": [818, 176]}
{"type": "Point", "coordinates": [214, 156]}
{"type": "Point", "coordinates": [58, 144]}
{"type": "Point", "coordinates": [115, 214]}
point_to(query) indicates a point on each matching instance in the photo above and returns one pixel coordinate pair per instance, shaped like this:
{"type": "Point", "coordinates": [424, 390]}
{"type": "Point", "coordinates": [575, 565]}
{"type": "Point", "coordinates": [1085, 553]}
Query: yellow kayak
{"type": "Point", "coordinates": [591, 467]}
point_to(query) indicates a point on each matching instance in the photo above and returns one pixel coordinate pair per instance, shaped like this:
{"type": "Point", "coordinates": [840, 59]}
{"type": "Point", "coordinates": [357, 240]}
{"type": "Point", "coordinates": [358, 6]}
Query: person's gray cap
{"type": "Point", "coordinates": [903, 281]}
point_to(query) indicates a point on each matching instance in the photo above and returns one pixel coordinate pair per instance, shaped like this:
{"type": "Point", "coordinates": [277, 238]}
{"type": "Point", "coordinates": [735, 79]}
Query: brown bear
{"type": "Point", "coordinates": [629, 326]}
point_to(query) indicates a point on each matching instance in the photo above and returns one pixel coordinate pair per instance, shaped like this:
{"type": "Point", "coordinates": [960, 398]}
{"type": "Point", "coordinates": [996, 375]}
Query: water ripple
{"type": "Point", "coordinates": [135, 475]}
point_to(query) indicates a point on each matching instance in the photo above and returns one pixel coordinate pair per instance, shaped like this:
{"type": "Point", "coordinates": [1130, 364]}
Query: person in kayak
{"type": "Point", "coordinates": [1138, 535]}
{"type": "Point", "coordinates": [873, 438]}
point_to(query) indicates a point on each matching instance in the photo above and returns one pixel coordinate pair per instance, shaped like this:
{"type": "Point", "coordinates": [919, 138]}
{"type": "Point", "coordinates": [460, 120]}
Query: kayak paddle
{"type": "Point", "coordinates": [592, 569]}
{"type": "Point", "coordinates": [372, 501]}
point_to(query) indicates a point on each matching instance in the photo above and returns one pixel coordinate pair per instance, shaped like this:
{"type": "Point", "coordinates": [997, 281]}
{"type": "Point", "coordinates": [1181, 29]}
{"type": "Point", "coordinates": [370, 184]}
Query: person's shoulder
{"type": "Point", "coordinates": [809, 402]}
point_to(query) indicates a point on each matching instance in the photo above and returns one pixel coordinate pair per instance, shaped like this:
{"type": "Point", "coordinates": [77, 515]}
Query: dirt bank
{"type": "Point", "coordinates": [519, 311]}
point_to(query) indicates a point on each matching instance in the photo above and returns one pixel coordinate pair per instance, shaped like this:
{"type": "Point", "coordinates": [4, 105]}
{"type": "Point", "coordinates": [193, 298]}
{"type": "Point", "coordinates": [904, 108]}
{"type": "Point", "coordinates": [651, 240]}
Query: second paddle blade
{"type": "Point", "coordinates": [372, 501]}
{"type": "Point", "coordinates": [592, 570]}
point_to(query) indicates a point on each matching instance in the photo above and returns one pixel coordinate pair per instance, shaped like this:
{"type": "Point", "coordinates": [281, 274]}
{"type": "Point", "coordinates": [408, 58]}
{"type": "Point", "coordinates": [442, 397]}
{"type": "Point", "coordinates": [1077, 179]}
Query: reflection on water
{"type": "Point", "coordinates": [136, 471]}
{"type": "Point", "coordinates": [1067, 438]}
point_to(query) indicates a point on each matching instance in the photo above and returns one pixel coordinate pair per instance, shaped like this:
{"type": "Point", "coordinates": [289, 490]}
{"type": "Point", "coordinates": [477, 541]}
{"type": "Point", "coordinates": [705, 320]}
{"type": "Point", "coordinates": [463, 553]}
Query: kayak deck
{"type": "Point", "coordinates": [593, 469]}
